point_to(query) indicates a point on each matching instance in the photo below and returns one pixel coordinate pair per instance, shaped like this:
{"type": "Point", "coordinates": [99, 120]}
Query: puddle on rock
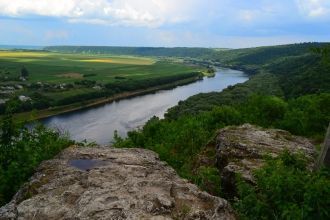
{"type": "Point", "coordinates": [86, 164]}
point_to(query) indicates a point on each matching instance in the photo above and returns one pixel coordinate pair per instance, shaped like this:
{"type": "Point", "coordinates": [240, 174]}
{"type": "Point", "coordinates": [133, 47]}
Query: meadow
{"type": "Point", "coordinates": [57, 79]}
{"type": "Point", "coordinates": [57, 67]}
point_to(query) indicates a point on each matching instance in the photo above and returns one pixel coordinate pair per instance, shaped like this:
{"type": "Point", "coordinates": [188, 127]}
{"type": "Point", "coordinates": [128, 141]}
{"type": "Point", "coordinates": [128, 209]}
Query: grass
{"type": "Point", "coordinates": [82, 72]}
{"type": "Point", "coordinates": [51, 67]}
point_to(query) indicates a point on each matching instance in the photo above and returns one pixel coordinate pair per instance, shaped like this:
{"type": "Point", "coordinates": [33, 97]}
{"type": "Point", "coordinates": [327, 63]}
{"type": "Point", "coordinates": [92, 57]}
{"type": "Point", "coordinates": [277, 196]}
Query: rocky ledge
{"type": "Point", "coordinates": [242, 149]}
{"type": "Point", "coordinates": [109, 183]}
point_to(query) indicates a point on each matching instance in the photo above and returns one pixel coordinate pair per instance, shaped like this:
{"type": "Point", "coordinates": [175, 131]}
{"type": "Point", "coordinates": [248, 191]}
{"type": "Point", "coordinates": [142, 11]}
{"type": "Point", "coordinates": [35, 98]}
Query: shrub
{"type": "Point", "coordinates": [285, 189]}
{"type": "Point", "coordinates": [21, 151]}
{"type": "Point", "coordinates": [208, 179]}
{"type": "Point", "coordinates": [264, 110]}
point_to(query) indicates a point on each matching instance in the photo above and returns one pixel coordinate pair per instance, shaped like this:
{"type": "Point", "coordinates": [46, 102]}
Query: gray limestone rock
{"type": "Point", "coordinates": [241, 149]}
{"type": "Point", "coordinates": [110, 183]}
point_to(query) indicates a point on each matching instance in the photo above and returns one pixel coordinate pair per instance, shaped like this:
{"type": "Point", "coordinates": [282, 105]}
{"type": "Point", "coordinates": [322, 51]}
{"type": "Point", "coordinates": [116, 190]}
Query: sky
{"type": "Point", "coordinates": [165, 23]}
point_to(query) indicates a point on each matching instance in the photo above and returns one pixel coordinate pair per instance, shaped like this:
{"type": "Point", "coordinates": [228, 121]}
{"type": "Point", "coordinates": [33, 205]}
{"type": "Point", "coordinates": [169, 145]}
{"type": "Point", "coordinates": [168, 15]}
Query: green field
{"type": "Point", "coordinates": [56, 67]}
{"type": "Point", "coordinates": [56, 79]}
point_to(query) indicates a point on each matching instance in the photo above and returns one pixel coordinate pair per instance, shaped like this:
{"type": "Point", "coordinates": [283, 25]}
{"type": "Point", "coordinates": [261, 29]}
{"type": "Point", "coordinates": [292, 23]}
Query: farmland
{"type": "Point", "coordinates": [58, 79]}
{"type": "Point", "coordinates": [50, 67]}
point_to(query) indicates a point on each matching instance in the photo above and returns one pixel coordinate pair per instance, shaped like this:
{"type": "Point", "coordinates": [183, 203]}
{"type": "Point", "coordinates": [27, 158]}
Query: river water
{"type": "Point", "coordinates": [97, 124]}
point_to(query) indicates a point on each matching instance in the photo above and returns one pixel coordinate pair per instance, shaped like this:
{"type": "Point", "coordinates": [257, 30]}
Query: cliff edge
{"type": "Point", "coordinates": [242, 149]}
{"type": "Point", "coordinates": [109, 183]}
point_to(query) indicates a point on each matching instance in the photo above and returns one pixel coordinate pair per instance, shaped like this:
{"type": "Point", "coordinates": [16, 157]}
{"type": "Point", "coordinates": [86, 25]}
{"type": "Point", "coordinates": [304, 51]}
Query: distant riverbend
{"type": "Point", "coordinates": [98, 123]}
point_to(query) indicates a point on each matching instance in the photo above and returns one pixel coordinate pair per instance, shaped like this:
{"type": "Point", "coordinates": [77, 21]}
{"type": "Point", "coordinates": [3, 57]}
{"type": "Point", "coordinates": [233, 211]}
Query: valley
{"type": "Point", "coordinates": [165, 110]}
{"type": "Point", "coordinates": [279, 90]}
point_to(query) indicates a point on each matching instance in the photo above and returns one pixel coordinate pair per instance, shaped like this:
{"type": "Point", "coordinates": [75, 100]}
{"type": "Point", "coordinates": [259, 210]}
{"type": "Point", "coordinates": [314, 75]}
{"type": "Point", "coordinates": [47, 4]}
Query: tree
{"type": "Point", "coordinates": [324, 52]}
{"type": "Point", "coordinates": [24, 72]}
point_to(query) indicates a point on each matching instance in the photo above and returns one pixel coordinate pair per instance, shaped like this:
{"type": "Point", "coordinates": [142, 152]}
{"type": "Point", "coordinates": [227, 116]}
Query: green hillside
{"type": "Point", "coordinates": [289, 89]}
{"type": "Point", "coordinates": [137, 51]}
{"type": "Point", "coordinates": [287, 71]}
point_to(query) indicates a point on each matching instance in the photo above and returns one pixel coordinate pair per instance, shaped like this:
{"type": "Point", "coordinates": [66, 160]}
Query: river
{"type": "Point", "coordinates": [97, 124]}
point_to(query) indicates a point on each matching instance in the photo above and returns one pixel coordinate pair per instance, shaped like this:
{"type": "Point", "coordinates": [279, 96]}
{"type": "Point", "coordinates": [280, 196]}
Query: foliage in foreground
{"type": "Point", "coordinates": [178, 141]}
{"type": "Point", "coordinates": [285, 189]}
{"type": "Point", "coordinates": [21, 151]}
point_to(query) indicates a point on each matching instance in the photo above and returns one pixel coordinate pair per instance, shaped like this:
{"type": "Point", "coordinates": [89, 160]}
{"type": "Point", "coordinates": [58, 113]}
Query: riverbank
{"type": "Point", "coordinates": [98, 124]}
{"type": "Point", "coordinates": [45, 113]}
{"type": "Point", "coordinates": [209, 74]}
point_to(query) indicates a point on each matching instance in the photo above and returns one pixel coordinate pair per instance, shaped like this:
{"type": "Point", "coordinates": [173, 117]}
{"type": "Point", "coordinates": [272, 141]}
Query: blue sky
{"type": "Point", "coordinates": [198, 23]}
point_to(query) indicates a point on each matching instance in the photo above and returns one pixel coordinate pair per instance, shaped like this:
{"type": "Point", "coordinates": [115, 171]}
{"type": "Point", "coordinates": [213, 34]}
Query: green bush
{"type": "Point", "coordinates": [307, 115]}
{"type": "Point", "coordinates": [208, 179]}
{"type": "Point", "coordinates": [285, 189]}
{"type": "Point", "coordinates": [21, 151]}
{"type": "Point", "coordinates": [264, 110]}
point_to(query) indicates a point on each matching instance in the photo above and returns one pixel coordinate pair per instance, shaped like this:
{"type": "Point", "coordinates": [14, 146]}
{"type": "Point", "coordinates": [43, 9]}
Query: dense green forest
{"type": "Point", "coordinates": [288, 76]}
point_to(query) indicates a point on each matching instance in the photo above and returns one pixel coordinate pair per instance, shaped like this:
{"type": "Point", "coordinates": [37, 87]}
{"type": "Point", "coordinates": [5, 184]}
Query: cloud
{"type": "Point", "coordinates": [314, 8]}
{"type": "Point", "coordinates": [225, 23]}
{"type": "Point", "coordinates": [151, 13]}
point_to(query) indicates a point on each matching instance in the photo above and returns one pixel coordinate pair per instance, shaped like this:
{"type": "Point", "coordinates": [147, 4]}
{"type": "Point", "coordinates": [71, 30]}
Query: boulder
{"type": "Point", "coordinates": [242, 149]}
{"type": "Point", "coordinates": [110, 183]}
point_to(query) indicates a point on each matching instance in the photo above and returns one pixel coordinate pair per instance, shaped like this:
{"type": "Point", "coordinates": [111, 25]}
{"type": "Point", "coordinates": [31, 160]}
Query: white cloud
{"type": "Point", "coordinates": [314, 8]}
{"type": "Point", "coordinates": [150, 13]}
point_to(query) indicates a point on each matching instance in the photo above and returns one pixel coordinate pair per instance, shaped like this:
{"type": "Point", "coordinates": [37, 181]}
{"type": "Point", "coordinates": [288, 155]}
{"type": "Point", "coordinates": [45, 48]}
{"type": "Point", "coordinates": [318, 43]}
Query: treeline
{"type": "Point", "coordinates": [83, 97]}
{"type": "Point", "coordinates": [258, 55]}
{"type": "Point", "coordinates": [265, 55]}
{"type": "Point", "coordinates": [136, 51]}
{"type": "Point", "coordinates": [39, 101]}
{"type": "Point", "coordinates": [123, 85]}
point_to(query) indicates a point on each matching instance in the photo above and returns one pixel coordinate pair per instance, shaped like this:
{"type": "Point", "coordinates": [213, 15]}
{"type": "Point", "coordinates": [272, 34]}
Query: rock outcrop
{"type": "Point", "coordinates": [109, 183]}
{"type": "Point", "coordinates": [241, 149]}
